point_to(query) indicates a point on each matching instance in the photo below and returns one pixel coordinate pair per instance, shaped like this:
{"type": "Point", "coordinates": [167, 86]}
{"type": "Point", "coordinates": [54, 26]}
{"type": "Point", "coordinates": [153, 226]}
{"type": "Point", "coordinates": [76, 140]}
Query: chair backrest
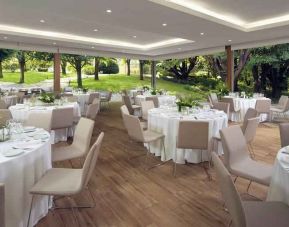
{"type": "Point", "coordinates": [222, 106]}
{"type": "Point", "coordinates": [284, 134]}
{"type": "Point", "coordinates": [282, 100]}
{"type": "Point", "coordinates": [20, 96]}
{"type": "Point", "coordinates": [155, 99]}
{"type": "Point", "coordinates": [251, 113]}
{"type": "Point", "coordinates": [210, 101]}
{"type": "Point", "coordinates": [263, 105]}
{"type": "Point", "coordinates": [145, 107]}
{"type": "Point", "coordinates": [2, 205]}
{"type": "Point", "coordinates": [285, 106]}
{"type": "Point", "coordinates": [230, 100]}
{"type": "Point", "coordinates": [96, 101]}
{"type": "Point", "coordinates": [92, 96]}
{"type": "Point", "coordinates": [251, 128]}
{"type": "Point", "coordinates": [193, 135]}
{"type": "Point", "coordinates": [5, 115]}
{"type": "Point", "coordinates": [127, 102]}
{"type": "Point", "coordinates": [62, 118]}
{"type": "Point", "coordinates": [82, 135]}
{"type": "Point", "coordinates": [39, 120]}
{"type": "Point", "coordinates": [214, 97]}
{"type": "Point", "coordinates": [92, 111]}
{"type": "Point", "coordinates": [124, 110]}
{"type": "Point", "coordinates": [72, 98]}
{"type": "Point", "coordinates": [90, 161]}
{"type": "Point", "coordinates": [3, 104]}
{"type": "Point", "coordinates": [234, 145]}
{"type": "Point", "coordinates": [230, 195]}
{"type": "Point", "coordinates": [133, 127]}
{"type": "Point", "coordinates": [109, 96]}
{"type": "Point", "coordinates": [124, 92]}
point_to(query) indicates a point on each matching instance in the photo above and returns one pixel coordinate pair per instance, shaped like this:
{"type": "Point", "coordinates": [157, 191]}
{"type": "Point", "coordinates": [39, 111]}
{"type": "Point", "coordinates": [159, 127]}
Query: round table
{"type": "Point", "coordinates": [20, 112]}
{"type": "Point", "coordinates": [166, 120]}
{"type": "Point", "coordinates": [163, 99]}
{"type": "Point", "coordinates": [279, 186]}
{"type": "Point", "coordinates": [21, 172]}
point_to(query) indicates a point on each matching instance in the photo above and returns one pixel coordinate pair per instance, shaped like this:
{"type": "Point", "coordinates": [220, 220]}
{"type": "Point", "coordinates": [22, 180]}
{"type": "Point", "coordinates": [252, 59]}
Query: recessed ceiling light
{"type": "Point", "coordinates": [95, 30]}
{"type": "Point", "coordinates": [92, 47]}
{"type": "Point", "coordinates": [108, 11]}
{"type": "Point", "coordinates": [5, 37]}
{"type": "Point", "coordinates": [164, 24]}
{"type": "Point", "coordinates": [42, 21]}
{"type": "Point", "coordinates": [229, 40]}
{"type": "Point", "coordinates": [54, 43]}
{"type": "Point", "coordinates": [134, 36]}
{"type": "Point", "coordinates": [202, 33]}
{"type": "Point", "coordinates": [179, 48]}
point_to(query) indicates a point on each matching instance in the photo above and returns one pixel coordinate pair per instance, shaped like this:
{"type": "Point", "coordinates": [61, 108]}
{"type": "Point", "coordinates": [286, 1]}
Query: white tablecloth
{"type": "Point", "coordinates": [279, 186]}
{"type": "Point", "coordinates": [163, 99]}
{"type": "Point", "coordinates": [20, 173]}
{"type": "Point", "coordinates": [10, 100]}
{"type": "Point", "coordinates": [82, 99]}
{"type": "Point", "coordinates": [20, 113]}
{"type": "Point", "coordinates": [166, 121]}
{"type": "Point", "coordinates": [244, 104]}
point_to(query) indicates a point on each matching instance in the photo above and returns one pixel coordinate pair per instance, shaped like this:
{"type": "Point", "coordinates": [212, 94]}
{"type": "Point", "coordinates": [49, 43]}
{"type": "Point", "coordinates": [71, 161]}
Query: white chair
{"type": "Point", "coordinates": [5, 115]}
{"type": "Point", "coordinates": [80, 144]}
{"type": "Point", "coordinates": [250, 133]}
{"type": "Point", "coordinates": [3, 104]}
{"type": "Point", "coordinates": [248, 213]}
{"type": "Point", "coordinates": [145, 107]}
{"type": "Point", "coordinates": [92, 111]}
{"type": "Point", "coordinates": [131, 108]}
{"type": "Point", "coordinates": [193, 135]}
{"type": "Point", "coordinates": [62, 118]}
{"type": "Point", "coordinates": [155, 100]}
{"type": "Point", "coordinates": [233, 109]}
{"type": "Point", "coordinates": [39, 120]}
{"type": "Point", "coordinates": [263, 107]}
{"type": "Point", "coordinates": [223, 106]}
{"type": "Point", "coordinates": [284, 134]}
{"type": "Point", "coordinates": [106, 99]}
{"type": "Point", "coordinates": [68, 182]}
{"type": "Point", "coordinates": [214, 98]}
{"type": "Point", "coordinates": [238, 161]}
{"type": "Point", "coordinates": [250, 113]}
{"type": "Point", "coordinates": [281, 110]}
{"type": "Point", "coordinates": [124, 110]}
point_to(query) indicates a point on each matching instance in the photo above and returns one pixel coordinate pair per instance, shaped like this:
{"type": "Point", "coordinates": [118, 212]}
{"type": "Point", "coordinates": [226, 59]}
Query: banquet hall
{"type": "Point", "coordinates": [142, 156]}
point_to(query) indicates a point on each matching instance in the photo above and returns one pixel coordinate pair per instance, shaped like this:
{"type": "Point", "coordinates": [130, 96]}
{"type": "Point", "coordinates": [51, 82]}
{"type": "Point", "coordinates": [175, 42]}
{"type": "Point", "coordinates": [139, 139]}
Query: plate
{"type": "Point", "coordinates": [12, 153]}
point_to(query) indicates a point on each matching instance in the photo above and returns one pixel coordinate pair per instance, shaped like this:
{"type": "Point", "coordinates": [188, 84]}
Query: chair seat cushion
{"type": "Point", "coordinates": [252, 170]}
{"type": "Point", "coordinates": [59, 181]}
{"type": "Point", "coordinates": [266, 214]}
{"type": "Point", "coordinates": [150, 136]}
{"type": "Point", "coordinates": [66, 153]}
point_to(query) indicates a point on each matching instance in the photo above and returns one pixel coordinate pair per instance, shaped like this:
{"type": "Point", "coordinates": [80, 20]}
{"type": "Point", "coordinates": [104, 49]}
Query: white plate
{"type": "Point", "coordinates": [12, 153]}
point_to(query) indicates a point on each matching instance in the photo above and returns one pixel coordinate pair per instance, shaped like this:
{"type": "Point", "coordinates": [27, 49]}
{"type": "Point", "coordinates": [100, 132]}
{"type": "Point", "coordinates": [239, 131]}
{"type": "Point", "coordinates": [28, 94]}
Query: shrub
{"type": "Point", "coordinates": [42, 69]}
{"type": "Point", "coordinates": [110, 68]}
{"type": "Point", "coordinates": [88, 70]}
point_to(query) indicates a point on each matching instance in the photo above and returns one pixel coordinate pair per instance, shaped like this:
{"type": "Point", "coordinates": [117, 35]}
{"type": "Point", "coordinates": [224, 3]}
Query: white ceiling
{"type": "Point", "coordinates": [69, 26]}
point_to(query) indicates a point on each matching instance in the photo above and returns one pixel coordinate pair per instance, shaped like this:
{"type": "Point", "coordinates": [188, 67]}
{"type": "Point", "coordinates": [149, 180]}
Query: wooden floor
{"type": "Point", "coordinates": [127, 195]}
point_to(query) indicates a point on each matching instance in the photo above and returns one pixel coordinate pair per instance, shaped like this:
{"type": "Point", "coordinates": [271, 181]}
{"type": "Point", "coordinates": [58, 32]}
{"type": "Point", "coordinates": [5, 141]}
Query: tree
{"type": "Point", "coordinates": [4, 55]}
{"type": "Point", "coordinates": [21, 57]}
{"type": "Point", "coordinates": [77, 62]}
{"type": "Point", "coordinates": [63, 66]}
{"type": "Point", "coordinates": [128, 66]}
{"type": "Point", "coordinates": [96, 67]}
{"type": "Point", "coordinates": [41, 60]}
{"type": "Point", "coordinates": [141, 69]}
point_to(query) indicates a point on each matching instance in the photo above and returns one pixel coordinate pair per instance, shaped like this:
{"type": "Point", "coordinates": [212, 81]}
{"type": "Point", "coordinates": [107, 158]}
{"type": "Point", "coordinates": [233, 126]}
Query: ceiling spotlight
{"type": "Point", "coordinates": [179, 48]}
{"type": "Point", "coordinates": [54, 43]}
{"type": "Point", "coordinates": [108, 11]}
{"type": "Point", "coordinates": [95, 30]}
{"type": "Point", "coordinates": [42, 21]}
{"type": "Point", "coordinates": [229, 40]}
{"type": "Point", "coordinates": [164, 25]}
{"type": "Point", "coordinates": [134, 36]}
{"type": "Point", "coordinates": [92, 47]}
{"type": "Point", "coordinates": [202, 33]}
{"type": "Point", "coordinates": [5, 37]}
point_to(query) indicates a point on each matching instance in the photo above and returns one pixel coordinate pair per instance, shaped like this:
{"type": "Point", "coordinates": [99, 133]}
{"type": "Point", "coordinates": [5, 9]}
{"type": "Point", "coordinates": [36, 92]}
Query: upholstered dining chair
{"type": "Point", "coordinates": [3, 104]}
{"type": "Point", "coordinates": [68, 182]}
{"type": "Point", "coordinates": [137, 134]}
{"type": "Point", "coordinates": [248, 213]}
{"type": "Point", "coordinates": [263, 106]}
{"type": "Point", "coordinates": [284, 134]}
{"type": "Point", "coordinates": [238, 161]}
{"type": "Point", "coordinates": [62, 118]}
{"type": "Point", "coordinates": [2, 205]}
{"type": "Point", "coordinates": [214, 98]}
{"type": "Point", "coordinates": [5, 115]}
{"type": "Point", "coordinates": [145, 107]}
{"type": "Point", "coordinates": [39, 120]}
{"type": "Point", "coordinates": [92, 111]}
{"type": "Point", "coordinates": [106, 99]}
{"type": "Point", "coordinates": [233, 109]}
{"type": "Point", "coordinates": [250, 113]}
{"type": "Point", "coordinates": [281, 110]}
{"type": "Point", "coordinates": [131, 108]}
{"type": "Point", "coordinates": [124, 110]}
{"type": "Point", "coordinates": [80, 144]}
{"type": "Point", "coordinates": [91, 97]}
{"type": "Point", "coordinates": [192, 135]}
{"type": "Point", "coordinates": [281, 102]}
{"type": "Point", "coordinates": [250, 133]}
{"type": "Point", "coordinates": [20, 96]}
{"type": "Point", "coordinates": [155, 100]}
{"type": "Point", "coordinates": [223, 106]}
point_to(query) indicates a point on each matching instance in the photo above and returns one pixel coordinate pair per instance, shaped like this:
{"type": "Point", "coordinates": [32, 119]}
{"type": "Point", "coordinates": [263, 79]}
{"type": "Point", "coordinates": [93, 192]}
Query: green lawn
{"type": "Point", "coordinates": [117, 83]}
{"type": "Point", "coordinates": [29, 78]}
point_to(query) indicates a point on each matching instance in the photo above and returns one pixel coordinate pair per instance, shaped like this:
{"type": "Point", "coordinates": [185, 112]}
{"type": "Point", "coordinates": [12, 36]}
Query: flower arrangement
{"type": "Point", "coordinates": [157, 92]}
{"type": "Point", "coordinates": [188, 101]}
{"type": "Point", "coordinates": [47, 97]}
{"type": "Point", "coordinates": [84, 90]}
{"type": "Point", "coordinates": [146, 88]}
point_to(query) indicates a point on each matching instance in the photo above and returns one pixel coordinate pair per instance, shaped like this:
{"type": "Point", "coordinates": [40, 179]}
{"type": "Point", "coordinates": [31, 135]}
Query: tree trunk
{"type": "Point", "coordinates": [257, 81]}
{"type": "Point", "coordinates": [96, 68]}
{"type": "Point", "coordinates": [78, 72]}
{"type": "Point", "coordinates": [128, 66]}
{"type": "Point", "coordinates": [1, 71]}
{"type": "Point", "coordinates": [22, 71]}
{"type": "Point", "coordinates": [141, 70]}
{"type": "Point", "coordinates": [63, 67]}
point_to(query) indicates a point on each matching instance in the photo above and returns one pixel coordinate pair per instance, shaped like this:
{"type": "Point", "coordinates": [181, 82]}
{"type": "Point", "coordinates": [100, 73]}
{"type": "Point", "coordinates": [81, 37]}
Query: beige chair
{"type": "Point", "coordinates": [263, 106]}
{"type": "Point", "coordinates": [124, 110]}
{"type": "Point", "coordinates": [281, 102]}
{"type": "Point", "coordinates": [2, 205]}
{"type": "Point", "coordinates": [145, 107]}
{"type": "Point", "coordinates": [237, 158]}
{"type": "Point", "coordinates": [155, 100]}
{"type": "Point", "coordinates": [106, 99]}
{"type": "Point", "coordinates": [3, 104]}
{"type": "Point", "coordinates": [223, 106]}
{"type": "Point", "coordinates": [248, 213]}
{"type": "Point", "coordinates": [284, 134]}
{"type": "Point", "coordinates": [5, 115]}
{"type": "Point", "coordinates": [131, 108]}
{"type": "Point", "coordinates": [192, 135]}
{"type": "Point", "coordinates": [68, 182]}
{"type": "Point", "coordinates": [210, 101]}
{"type": "Point", "coordinates": [250, 133]}
{"type": "Point", "coordinates": [281, 110]}
{"type": "Point", "coordinates": [213, 98]}
{"type": "Point", "coordinates": [92, 111]}
{"type": "Point", "coordinates": [250, 113]}
{"type": "Point", "coordinates": [62, 118]}
{"type": "Point", "coordinates": [80, 144]}
{"type": "Point", "coordinates": [91, 97]}
{"type": "Point", "coordinates": [124, 92]}
{"type": "Point", "coordinates": [233, 109]}
{"type": "Point", "coordinates": [39, 120]}
{"type": "Point", "coordinates": [137, 134]}
{"type": "Point", "coordinates": [96, 101]}
{"type": "Point", "coordinates": [20, 96]}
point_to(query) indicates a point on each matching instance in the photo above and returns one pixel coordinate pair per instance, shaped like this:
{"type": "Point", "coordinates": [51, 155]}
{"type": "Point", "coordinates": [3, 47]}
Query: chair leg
{"type": "Point", "coordinates": [249, 187]}
{"type": "Point", "coordinates": [31, 206]}
{"type": "Point", "coordinates": [175, 165]}
{"type": "Point", "coordinates": [251, 150]}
